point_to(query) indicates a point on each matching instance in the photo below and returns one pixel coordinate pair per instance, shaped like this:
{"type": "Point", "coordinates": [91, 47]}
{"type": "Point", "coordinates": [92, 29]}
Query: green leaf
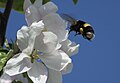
{"type": "Point", "coordinates": [16, 81]}
{"type": "Point", "coordinates": [4, 56]}
{"type": "Point", "coordinates": [45, 1]}
{"type": "Point", "coordinates": [14, 47]}
{"type": "Point", "coordinates": [2, 5]}
{"type": "Point", "coordinates": [75, 1]}
{"type": "Point", "coordinates": [6, 44]}
{"type": "Point", "coordinates": [10, 54]}
{"type": "Point", "coordinates": [17, 4]}
{"type": "Point", "coordinates": [3, 59]}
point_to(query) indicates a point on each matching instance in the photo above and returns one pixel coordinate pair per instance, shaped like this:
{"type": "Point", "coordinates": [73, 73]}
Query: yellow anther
{"type": "Point", "coordinates": [35, 56]}
{"type": "Point", "coordinates": [86, 25]}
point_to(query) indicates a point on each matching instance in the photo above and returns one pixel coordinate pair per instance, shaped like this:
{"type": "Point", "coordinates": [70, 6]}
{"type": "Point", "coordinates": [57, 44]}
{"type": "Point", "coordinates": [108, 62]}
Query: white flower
{"type": "Point", "coordinates": [5, 78]}
{"type": "Point", "coordinates": [47, 12]}
{"type": "Point", "coordinates": [54, 23]}
{"type": "Point", "coordinates": [47, 42]}
{"type": "Point", "coordinates": [48, 50]}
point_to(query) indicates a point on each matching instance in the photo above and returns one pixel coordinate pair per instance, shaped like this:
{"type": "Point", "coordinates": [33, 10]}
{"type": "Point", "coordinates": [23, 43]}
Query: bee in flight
{"type": "Point", "coordinates": [80, 27]}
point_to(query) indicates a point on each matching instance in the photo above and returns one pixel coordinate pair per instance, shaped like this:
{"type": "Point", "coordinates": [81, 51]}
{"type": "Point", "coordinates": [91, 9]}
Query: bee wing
{"type": "Point", "coordinates": [69, 19]}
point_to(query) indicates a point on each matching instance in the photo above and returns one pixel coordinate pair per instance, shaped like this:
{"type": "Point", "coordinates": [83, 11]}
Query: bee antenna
{"type": "Point", "coordinates": [69, 31]}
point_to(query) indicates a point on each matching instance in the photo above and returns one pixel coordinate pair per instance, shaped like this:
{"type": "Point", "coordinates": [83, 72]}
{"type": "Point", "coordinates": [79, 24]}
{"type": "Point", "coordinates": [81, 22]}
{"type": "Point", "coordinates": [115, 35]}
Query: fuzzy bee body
{"type": "Point", "coordinates": [80, 27]}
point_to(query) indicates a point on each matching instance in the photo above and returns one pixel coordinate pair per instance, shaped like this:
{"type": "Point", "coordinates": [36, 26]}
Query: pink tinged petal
{"type": "Point", "coordinates": [38, 73]}
{"type": "Point", "coordinates": [47, 9]}
{"type": "Point", "coordinates": [32, 15]}
{"type": "Point", "coordinates": [67, 69]}
{"type": "Point", "coordinates": [27, 3]}
{"type": "Point", "coordinates": [53, 22]}
{"type": "Point", "coordinates": [18, 64]}
{"type": "Point", "coordinates": [22, 37]}
{"type": "Point", "coordinates": [38, 3]}
{"type": "Point", "coordinates": [20, 78]}
{"type": "Point", "coordinates": [54, 76]}
{"type": "Point", "coordinates": [46, 42]}
{"type": "Point", "coordinates": [5, 78]}
{"type": "Point", "coordinates": [69, 47]}
{"type": "Point", "coordinates": [57, 60]}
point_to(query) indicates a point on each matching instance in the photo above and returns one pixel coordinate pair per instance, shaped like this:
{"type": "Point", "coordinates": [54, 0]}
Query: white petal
{"type": "Point", "coordinates": [27, 3]}
{"type": "Point", "coordinates": [46, 42]}
{"type": "Point", "coordinates": [67, 69]}
{"type": "Point", "coordinates": [37, 27]}
{"type": "Point", "coordinates": [18, 64]}
{"type": "Point", "coordinates": [58, 46]}
{"type": "Point", "coordinates": [38, 3]}
{"type": "Point", "coordinates": [69, 47]}
{"type": "Point", "coordinates": [53, 22]}
{"type": "Point", "coordinates": [57, 60]}
{"type": "Point", "coordinates": [54, 76]}
{"type": "Point", "coordinates": [47, 9]}
{"type": "Point", "coordinates": [5, 78]}
{"type": "Point", "coordinates": [20, 77]}
{"type": "Point", "coordinates": [32, 15]}
{"type": "Point", "coordinates": [22, 37]}
{"type": "Point", "coordinates": [35, 30]}
{"type": "Point", "coordinates": [38, 73]}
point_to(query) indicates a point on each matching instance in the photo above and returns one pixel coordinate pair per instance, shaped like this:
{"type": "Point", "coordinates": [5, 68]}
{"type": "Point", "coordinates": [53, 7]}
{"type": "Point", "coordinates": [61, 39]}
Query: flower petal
{"type": "Point", "coordinates": [46, 42]}
{"type": "Point", "coordinates": [5, 78]}
{"type": "Point", "coordinates": [47, 9]}
{"type": "Point", "coordinates": [54, 76]}
{"type": "Point", "coordinates": [67, 69]}
{"type": "Point", "coordinates": [69, 47]}
{"type": "Point", "coordinates": [35, 30]}
{"type": "Point", "coordinates": [53, 22]}
{"type": "Point", "coordinates": [18, 64]}
{"type": "Point", "coordinates": [22, 37]}
{"type": "Point", "coordinates": [20, 77]}
{"type": "Point", "coordinates": [37, 26]}
{"type": "Point", "coordinates": [27, 3]}
{"type": "Point", "coordinates": [57, 60]}
{"type": "Point", "coordinates": [32, 15]}
{"type": "Point", "coordinates": [38, 73]}
{"type": "Point", "coordinates": [38, 3]}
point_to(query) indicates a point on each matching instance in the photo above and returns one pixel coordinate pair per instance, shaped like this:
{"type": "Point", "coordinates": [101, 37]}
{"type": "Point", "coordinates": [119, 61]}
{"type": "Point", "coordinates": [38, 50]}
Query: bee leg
{"type": "Point", "coordinates": [76, 34]}
{"type": "Point", "coordinates": [69, 31]}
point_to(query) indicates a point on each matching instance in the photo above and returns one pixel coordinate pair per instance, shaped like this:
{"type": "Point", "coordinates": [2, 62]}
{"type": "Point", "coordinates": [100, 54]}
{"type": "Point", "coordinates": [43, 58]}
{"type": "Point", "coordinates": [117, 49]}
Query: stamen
{"type": "Point", "coordinates": [44, 30]}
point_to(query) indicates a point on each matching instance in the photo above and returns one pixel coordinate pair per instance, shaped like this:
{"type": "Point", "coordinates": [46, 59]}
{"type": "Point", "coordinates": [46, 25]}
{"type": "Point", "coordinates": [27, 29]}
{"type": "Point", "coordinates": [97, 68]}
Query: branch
{"type": "Point", "coordinates": [8, 9]}
{"type": "Point", "coordinates": [4, 20]}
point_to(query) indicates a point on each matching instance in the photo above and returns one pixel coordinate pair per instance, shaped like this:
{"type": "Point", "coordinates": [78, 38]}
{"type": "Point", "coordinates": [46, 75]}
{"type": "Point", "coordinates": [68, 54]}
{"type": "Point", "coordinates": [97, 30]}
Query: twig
{"type": "Point", "coordinates": [4, 20]}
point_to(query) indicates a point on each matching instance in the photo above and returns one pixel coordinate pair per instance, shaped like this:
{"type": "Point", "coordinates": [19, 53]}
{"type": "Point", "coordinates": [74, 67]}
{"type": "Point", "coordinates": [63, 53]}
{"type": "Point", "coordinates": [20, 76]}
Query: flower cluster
{"type": "Point", "coordinates": [44, 45]}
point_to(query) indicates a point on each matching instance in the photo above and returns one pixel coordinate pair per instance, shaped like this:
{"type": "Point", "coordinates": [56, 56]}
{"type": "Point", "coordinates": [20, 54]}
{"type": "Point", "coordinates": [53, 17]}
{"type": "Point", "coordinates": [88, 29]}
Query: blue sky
{"type": "Point", "coordinates": [97, 61]}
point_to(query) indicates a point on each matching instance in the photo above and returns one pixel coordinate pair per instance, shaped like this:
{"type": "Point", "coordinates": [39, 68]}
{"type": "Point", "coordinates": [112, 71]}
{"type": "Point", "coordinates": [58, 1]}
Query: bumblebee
{"type": "Point", "coordinates": [80, 27]}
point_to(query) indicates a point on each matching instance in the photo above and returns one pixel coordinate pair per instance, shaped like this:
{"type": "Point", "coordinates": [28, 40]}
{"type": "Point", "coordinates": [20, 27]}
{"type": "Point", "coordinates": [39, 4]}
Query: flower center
{"type": "Point", "coordinates": [44, 30]}
{"type": "Point", "coordinates": [36, 55]}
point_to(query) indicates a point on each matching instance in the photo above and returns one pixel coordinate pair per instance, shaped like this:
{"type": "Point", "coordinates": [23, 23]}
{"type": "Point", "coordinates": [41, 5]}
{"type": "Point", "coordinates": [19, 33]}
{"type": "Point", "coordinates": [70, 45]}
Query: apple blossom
{"type": "Point", "coordinates": [44, 39]}
{"type": "Point", "coordinates": [5, 78]}
{"type": "Point", "coordinates": [35, 41]}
